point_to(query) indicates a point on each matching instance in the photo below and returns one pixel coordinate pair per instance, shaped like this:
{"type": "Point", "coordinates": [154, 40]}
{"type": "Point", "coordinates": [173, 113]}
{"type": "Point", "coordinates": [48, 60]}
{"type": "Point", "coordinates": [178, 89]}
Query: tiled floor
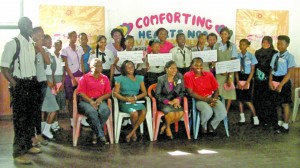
{"type": "Point", "coordinates": [246, 147]}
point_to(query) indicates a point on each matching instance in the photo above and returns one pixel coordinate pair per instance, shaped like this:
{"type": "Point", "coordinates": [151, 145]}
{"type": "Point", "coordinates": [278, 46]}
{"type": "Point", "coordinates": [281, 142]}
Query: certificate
{"type": "Point", "coordinates": [159, 59]}
{"type": "Point", "coordinates": [228, 66]}
{"type": "Point", "coordinates": [207, 56]}
{"type": "Point", "coordinates": [134, 56]}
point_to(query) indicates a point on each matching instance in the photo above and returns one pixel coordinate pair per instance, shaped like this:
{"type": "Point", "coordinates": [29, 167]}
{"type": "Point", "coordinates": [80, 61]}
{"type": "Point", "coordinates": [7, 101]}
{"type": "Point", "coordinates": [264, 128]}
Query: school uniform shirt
{"type": "Point", "coordinates": [182, 57]}
{"type": "Point", "coordinates": [74, 57]}
{"type": "Point", "coordinates": [285, 61]}
{"type": "Point", "coordinates": [27, 57]}
{"type": "Point", "coordinates": [52, 67]}
{"type": "Point", "coordinates": [111, 47]}
{"type": "Point", "coordinates": [223, 47]}
{"type": "Point", "coordinates": [249, 60]}
{"type": "Point", "coordinates": [41, 66]}
{"type": "Point", "coordinates": [205, 64]}
{"type": "Point", "coordinates": [93, 87]}
{"type": "Point", "coordinates": [109, 58]}
{"type": "Point", "coordinates": [60, 64]}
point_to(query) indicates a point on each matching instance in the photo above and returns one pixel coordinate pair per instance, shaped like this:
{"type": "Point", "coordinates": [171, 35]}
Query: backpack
{"type": "Point", "coordinates": [15, 57]}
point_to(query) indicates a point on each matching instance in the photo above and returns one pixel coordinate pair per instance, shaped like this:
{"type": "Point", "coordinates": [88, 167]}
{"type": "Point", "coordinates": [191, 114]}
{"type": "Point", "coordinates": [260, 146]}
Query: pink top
{"type": "Point", "coordinates": [171, 86]}
{"type": "Point", "coordinates": [74, 57]}
{"type": "Point", "coordinates": [204, 85]}
{"type": "Point", "coordinates": [93, 87]}
{"type": "Point", "coordinates": [164, 48]}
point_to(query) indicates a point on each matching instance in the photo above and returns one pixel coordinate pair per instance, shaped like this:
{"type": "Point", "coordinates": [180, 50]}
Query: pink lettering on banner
{"type": "Point", "coordinates": [176, 17]}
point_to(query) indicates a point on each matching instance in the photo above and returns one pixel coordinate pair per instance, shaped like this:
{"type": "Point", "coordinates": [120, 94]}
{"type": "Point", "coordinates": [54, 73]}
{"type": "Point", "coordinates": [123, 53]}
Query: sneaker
{"type": "Point", "coordinates": [255, 121]}
{"type": "Point", "coordinates": [84, 123]}
{"type": "Point", "coordinates": [34, 150]}
{"type": "Point", "coordinates": [22, 160]}
{"type": "Point", "coordinates": [281, 130]}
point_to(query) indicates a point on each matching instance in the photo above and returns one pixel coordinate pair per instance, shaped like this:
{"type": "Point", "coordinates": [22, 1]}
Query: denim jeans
{"type": "Point", "coordinates": [96, 118]}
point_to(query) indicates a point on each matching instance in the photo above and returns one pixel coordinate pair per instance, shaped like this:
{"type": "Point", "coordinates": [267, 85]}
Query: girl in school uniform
{"type": "Point", "coordinates": [244, 81]}
{"type": "Point", "coordinates": [201, 46]}
{"type": "Point", "coordinates": [73, 58]}
{"type": "Point", "coordinates": [282, 64]}
{"type": "Point", "coordinates": [226, 51]}
{"type": "Point", "coordinates": [153, 72]}
{"type": "Point", "coordinates": [83, 40]}
{"type": "Point", "coordinates": [105, 55]}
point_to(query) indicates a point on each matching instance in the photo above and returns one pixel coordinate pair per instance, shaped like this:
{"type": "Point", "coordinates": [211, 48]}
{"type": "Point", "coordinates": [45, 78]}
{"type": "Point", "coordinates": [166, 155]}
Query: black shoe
{"type": "Point", "coordinates": [102, 140]}
{"type": "Point", "coordinates": [281, 130]}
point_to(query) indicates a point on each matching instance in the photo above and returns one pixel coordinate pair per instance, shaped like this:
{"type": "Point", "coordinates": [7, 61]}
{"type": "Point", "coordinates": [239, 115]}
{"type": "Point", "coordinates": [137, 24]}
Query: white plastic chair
{"type": "Point", "coordinates": [296, 104]}
{"type": "Point", "coordinates": [119, 115]}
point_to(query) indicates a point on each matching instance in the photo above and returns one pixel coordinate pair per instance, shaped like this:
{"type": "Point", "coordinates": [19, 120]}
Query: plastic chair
{"type": "Point", "coordinates": [108, 127]}
{"type": "Point", "coordinates": [158, 114]}
{"type": "Point", "coordinates": [119, 115]}
{"type": "Point", "coordinates": [196, 120]}
{"type": "Point", "coordinates": [296, 104]}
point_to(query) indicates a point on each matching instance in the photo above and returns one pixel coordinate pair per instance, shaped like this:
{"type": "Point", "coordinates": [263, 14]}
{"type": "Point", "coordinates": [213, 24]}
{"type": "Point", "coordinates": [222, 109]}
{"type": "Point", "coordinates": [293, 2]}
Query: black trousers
{"type": "Point", "coordinates": [26, 95]}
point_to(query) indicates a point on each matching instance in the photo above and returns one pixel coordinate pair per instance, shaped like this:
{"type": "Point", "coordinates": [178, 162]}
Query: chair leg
{"type": "Point", "coordinates": [197, 124]}
{"type": "Point", "coordinates": [176, 126]}
{"type": "Point", "coordinates": [77, 131]}
{"type": "Point", "coordinates": [187, 126]}
{"type": "Point", "coordinates": [149, 125]}
{"type": "Point", "coordinates": [142, 128]}
{"type": "Point", "coordinates": [109, 125]}
{"type": "Point", "coordinates": [226, 126]}
{"type": "Point", "coordinates": [157, 126]}
{"type": "Point", "coordinates": [295, 109]}
{"type": "Point", "coordinates": [119, 124]}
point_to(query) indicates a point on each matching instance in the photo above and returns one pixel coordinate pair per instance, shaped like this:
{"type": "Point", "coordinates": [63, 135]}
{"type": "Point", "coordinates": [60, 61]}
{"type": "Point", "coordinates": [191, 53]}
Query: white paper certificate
{"type": "Point", "coordinates": [134, 56]}
{"type": "Point", "coordinates": [159, 59]}
{"type": "Point", "coordinates": [207, 56]}
{"type": "Point", "coordinates": [228, 66]}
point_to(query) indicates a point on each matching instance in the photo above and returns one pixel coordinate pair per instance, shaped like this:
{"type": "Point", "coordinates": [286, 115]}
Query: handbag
{"type": "Point", "coordinates": [243, 84]}
{"type": "Point", "coordinates": [226, 87]}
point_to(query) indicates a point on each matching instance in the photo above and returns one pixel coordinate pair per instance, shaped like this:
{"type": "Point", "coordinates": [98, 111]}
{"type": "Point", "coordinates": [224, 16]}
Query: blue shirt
{"type": "Point", "coordinates": [286, 61]}
{"type": "Point", "coordinates": [86, 57]}
{"type": "Point", "coordinates": [232, 47]}
{"type": "Point", "coordinates": [250, 60]}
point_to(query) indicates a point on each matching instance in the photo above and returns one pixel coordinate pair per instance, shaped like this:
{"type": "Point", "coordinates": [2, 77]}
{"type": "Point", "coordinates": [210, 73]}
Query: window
{"type": "Point", "coordinates": [10, 12]}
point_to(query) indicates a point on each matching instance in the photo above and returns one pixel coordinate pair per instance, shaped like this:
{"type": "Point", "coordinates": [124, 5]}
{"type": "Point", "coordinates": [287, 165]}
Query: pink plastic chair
{"type": "Point", "coordinates": [108, 127]}
{"type": "Point", "coordinates": [158, 114]}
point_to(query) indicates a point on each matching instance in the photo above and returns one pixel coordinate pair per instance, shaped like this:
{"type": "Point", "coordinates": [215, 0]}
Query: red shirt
{"type": "Point", "coordinates": [204, 85]}
{"type": "Point", "coordinates": [93, 87]}
{"type": "Point", "coordinates": [165, 48]}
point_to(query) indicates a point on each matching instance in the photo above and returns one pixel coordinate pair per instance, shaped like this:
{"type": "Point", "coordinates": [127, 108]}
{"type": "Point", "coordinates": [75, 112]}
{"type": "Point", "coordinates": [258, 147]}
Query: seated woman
{"type": "Point", "coordinates": [127, 89]}
{"type": "Point", "coordinates": [169, 93]}
{"type": "Point", "coordinates": [94, 88]}
{"type": "Point", "coordinates": [203, 87]}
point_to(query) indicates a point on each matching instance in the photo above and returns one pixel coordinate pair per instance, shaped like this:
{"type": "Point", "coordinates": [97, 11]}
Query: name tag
{"type": "Point", "coordinates": [281, 60]}
{"type": "Point", "coordinates": [222, 48]}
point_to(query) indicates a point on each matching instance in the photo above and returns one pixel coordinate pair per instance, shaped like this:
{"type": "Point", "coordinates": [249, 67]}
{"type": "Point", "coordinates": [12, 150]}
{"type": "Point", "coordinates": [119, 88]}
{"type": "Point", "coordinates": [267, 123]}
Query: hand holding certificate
{"type": "Point", "coordinates": [134, 56]}
{"type": "Point", "coordinates": [159, 59]}
{"type": "Point", "coordinates": [228, 66]}
{"type": "Point", "coordinates": [207, 56]}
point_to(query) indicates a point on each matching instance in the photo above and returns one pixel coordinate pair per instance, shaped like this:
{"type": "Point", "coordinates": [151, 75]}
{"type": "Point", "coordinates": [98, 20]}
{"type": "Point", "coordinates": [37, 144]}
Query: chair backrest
{"type": "Point", "coordinates": [151, 89]}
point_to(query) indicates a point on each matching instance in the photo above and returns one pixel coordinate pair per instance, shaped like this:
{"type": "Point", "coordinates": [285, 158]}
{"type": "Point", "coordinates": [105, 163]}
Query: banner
{"type": "Point", "coordinates": [255, 24]}
{"type": "Point", "coordinates": [57, 21]}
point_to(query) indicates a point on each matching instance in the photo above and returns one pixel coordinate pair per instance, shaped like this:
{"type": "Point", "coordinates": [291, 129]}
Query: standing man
{"type": "Point", "coordinates": [24, 89]}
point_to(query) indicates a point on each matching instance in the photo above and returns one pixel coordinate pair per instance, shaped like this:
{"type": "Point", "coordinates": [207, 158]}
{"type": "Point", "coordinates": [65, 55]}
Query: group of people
{"type": "Point", "coordinates": [42, 83]}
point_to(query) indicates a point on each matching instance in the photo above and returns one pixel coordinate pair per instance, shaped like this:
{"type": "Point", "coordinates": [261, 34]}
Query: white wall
{"type": "Point", "coordinates": [219, 11]}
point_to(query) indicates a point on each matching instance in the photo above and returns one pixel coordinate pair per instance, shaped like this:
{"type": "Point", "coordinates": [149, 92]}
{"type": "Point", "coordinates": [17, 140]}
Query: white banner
{"type": "Point", "coordinates": [159, 59]}
{"type": "Point", "coordinates": [207, 56]}
{"type": "Point", "coordinates": [134, 56]}
{"type": "Point", "coordinates": [228, 66]}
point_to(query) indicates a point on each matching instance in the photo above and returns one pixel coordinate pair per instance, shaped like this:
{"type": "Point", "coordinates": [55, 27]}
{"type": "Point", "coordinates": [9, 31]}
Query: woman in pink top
{"type": "Point", "coordinates": [94, 89]}
{"type": "Point", "coordinates": [165, 46]}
